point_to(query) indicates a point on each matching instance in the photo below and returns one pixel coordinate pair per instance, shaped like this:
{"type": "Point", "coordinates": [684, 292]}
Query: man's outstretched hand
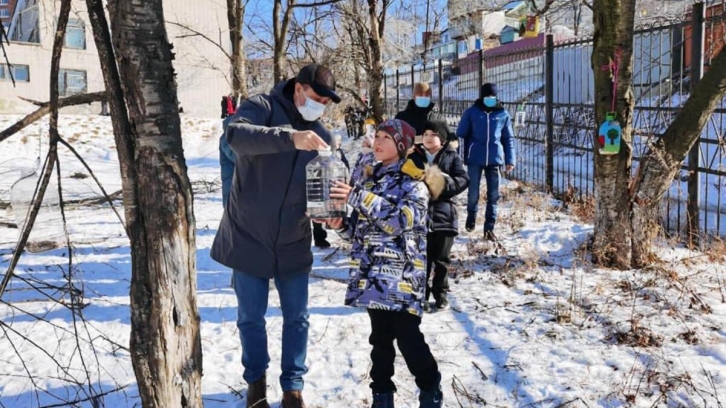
{"type": "Point", "coordinates": [308, 140]}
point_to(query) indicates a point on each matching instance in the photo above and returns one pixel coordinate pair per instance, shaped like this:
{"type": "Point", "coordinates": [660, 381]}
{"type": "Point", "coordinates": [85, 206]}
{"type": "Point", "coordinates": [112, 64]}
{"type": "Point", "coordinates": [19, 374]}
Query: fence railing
{"type": "Point", "coordinates": [552, 80]}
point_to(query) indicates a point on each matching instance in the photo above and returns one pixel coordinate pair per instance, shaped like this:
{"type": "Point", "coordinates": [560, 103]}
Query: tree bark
{"type": "Point", "coordinates": [614, 24]}
{"type": "Point", "coordinates": [662, 161]}
{"type": "Point", "coordinates": [235, 18]}
{"type": "Point", "coordinates": [375, 71]}
{"type": "Point", "coordinates": [165, 343]}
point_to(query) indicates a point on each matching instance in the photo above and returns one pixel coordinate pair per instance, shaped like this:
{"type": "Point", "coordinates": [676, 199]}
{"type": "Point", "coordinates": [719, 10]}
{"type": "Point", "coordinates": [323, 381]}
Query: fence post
{"type": "Point", "coordinates": [413, 79]}
{"type": "Point", "coordinates": [549, 114]}
{"type": "Point", "coordinates": [694, 179]}
{"type": "Point", "coordinates": [398, 90]}
{"type": "Point", "coordinates": [441, 86]}
{"type": "Point", "coordinates": [481, 72]}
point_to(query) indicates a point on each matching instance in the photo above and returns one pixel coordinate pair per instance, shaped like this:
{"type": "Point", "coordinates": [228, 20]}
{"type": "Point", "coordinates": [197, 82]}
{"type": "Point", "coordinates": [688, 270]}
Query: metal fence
{"type": "Point", "coordinates": [551, 79]}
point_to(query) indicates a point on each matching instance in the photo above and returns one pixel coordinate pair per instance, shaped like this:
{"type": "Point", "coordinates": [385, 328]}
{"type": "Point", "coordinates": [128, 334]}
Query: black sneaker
{"type": "Point", "coordinates": [489, 236]}
{"type": "Point", "coordinates": [442, 304]}
{"type": "Point", "coordinates": [470, 222]}
{"type": "Point", "coordinates": [427, 307]}
{"type": "Point", "coordinates": [322, 244]}
{"type": "Point", "coordinates": [432, 398]}
{"type": "Point", "coordinates": [383, 400]}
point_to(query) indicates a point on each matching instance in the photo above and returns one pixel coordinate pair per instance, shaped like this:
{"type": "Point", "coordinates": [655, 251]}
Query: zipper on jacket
{"type": "Point", "coordinates": [489, 127]}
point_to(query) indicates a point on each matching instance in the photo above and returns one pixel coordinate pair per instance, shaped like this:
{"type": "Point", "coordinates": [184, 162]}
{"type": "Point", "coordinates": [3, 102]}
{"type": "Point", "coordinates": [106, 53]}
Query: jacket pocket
{"type": "Point", "coordinates": [294, 224]}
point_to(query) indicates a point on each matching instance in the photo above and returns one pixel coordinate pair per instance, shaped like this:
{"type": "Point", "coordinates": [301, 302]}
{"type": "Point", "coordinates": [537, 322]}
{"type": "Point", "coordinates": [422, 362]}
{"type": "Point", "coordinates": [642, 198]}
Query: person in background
{"type": "Point", "coordinates": [366, 159]}
{"type": "Point", "coordinates": [264, 233]}
{"type": "Point", "coordinates": [387, 229]}
{"type": "Point", "coordinates": [486, 129]}
{"type": "Point", "coordinates": [420, 110]}
{"type": "Point", "coordinates": [444, 223]}
{"type": "Point", "coordinates": [338, 149]}
{"type": "Point", "coordinates": [226, 162]}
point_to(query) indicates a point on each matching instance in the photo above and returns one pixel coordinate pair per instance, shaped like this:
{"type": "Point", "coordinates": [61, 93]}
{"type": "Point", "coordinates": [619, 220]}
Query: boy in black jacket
{"type": "Point", "coordinates": [443, 219]}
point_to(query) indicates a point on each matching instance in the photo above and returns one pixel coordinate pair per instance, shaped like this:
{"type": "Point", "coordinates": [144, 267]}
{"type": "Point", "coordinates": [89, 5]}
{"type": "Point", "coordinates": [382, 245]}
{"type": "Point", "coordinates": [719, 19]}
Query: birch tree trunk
{"type": "Point", "coordinates": [613, 21]}
{"type": "Point", "coordinates": [165, 344]}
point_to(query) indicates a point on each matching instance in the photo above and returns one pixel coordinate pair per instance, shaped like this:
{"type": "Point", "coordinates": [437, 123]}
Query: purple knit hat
{"type": "Point", "coordinates": [403, 134]}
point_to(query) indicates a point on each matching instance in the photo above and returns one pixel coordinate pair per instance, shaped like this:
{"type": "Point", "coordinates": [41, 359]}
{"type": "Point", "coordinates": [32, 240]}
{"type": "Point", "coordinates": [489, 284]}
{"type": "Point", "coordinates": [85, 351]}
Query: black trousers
{"type": "Point", "coordinates": [319, 232]}
{"type": "Point", "coordinates": [438, 253]}
{"type": "Point", "coordinates": [405, 329]}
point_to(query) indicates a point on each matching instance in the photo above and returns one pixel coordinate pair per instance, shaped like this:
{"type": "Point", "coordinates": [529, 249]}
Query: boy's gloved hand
{"type": "Point", "coordinates": [415, 164]}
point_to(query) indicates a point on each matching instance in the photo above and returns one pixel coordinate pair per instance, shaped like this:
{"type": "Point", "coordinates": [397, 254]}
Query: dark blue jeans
{"type": "Point", "coordinates": [491, 174]}
{"type": "Point", "coordinates": [252, 294]}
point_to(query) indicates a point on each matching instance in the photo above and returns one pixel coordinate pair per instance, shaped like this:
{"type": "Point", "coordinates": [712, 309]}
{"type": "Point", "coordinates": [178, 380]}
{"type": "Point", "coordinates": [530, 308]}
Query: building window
{"type": "Point", "coordinates": [4, 2]}
{"type": "Point", "coordinates": [26, 23]}
{"type": "Point", "coordinates": [75, 34]}
{"type": "Point", "coordinates": [71, 82]}
{"type": "Point", "coordinates": [21, 73]}
{"type": "Point", "coordinates": [4, 13]}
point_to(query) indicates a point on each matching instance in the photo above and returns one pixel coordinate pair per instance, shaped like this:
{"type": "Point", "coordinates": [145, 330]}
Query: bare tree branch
{"type": "Point", "coordinates": [5, 55]}
{"type": "Point", "coordinates": [98, 182]}
{"type": "Point", "coordinates": [52, 156]}
{"type": "Point", "coordinates": [45, 109]}
{"type": "Point", "coordinates": [197, 33]}
{"type": "Point", "coordinates": [322, 3]}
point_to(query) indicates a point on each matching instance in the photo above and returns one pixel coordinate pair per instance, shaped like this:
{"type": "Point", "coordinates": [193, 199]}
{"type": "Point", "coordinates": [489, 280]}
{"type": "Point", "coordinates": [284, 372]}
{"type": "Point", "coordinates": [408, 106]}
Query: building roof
{"type": "Point", "coordinates": [512, 5]}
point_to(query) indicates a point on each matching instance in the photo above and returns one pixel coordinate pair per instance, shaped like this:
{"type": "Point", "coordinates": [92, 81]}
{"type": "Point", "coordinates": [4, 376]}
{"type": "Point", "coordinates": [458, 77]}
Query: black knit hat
{"type": "Point", "coordinates": [488, 89]}
{"type": "Point", "coordinates": [439, 127]}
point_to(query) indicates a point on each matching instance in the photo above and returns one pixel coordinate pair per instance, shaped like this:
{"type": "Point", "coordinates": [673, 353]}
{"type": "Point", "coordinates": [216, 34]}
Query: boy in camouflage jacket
{"type": "Point", "coordinates": [388, 229]}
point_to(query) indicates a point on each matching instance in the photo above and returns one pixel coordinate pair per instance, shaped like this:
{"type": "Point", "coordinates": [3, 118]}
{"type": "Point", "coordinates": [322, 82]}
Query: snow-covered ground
{"type": "Point", "coordinates": [532, 323]}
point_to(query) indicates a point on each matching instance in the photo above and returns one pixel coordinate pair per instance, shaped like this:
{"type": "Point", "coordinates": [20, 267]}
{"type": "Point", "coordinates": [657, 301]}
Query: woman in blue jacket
{"type": "Point", "coordinates": [488, 144]}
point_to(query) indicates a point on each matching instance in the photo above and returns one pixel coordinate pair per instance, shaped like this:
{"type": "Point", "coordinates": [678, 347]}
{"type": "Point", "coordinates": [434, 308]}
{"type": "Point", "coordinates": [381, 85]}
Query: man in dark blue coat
{"type": "Point", "coordinates": [264, 233]}
{"type": "Point", "coordinates": [488, 145]}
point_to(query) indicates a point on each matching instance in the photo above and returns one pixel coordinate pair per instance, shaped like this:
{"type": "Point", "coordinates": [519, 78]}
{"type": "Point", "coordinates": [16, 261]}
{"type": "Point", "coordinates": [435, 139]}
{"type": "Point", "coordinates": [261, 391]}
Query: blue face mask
{"type": "Point", "coordinates": [490, 101]}
{"type": "Point", "coordinates": [422, 101]}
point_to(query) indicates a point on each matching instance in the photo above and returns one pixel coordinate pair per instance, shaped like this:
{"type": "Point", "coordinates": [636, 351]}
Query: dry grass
{"type": "Point", "coordinates": [715, 250]}
{"type": "Point", "coordinates": [74, 138]}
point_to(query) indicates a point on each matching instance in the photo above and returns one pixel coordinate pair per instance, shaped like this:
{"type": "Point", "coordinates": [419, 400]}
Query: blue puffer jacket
{"type": "Point", "coordinates": [488, 136]}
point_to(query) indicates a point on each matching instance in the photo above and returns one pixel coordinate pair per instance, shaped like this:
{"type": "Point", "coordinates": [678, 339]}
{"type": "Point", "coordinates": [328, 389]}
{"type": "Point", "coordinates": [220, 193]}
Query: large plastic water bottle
{"type": "Point", "coordinates": [322, 173]}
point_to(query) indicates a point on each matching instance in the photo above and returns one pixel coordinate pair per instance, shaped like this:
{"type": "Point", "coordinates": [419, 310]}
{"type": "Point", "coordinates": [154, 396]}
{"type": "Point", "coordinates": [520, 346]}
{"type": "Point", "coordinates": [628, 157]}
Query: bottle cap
{"type": "Point", "coordinates": [326, 151]}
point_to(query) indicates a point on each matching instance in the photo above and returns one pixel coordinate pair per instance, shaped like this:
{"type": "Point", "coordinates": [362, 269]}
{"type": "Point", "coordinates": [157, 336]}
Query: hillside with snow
{"type": "Point", "coordinates": [532, 323]}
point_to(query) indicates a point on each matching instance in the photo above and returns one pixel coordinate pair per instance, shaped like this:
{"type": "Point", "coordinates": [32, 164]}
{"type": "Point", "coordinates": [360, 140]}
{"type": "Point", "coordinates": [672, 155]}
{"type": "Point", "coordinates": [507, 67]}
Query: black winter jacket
{"type": "Point", "coordinates": [443, 216]}
{"type": "Point", "coordinates": [264, 230]}
{"type": "Point", "coordinates": [417, 117]}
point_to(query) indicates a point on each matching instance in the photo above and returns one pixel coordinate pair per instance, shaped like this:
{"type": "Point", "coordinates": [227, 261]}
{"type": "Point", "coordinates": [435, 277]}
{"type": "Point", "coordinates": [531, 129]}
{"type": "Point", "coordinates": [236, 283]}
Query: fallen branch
{"type": "Point", "coordinates": [45, 109]}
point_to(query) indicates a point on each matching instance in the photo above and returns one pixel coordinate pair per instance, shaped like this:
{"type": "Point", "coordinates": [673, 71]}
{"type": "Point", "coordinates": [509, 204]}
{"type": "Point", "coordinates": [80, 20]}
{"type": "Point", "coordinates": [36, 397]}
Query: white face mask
{"type": "Point", "coordinates": [311, 110]}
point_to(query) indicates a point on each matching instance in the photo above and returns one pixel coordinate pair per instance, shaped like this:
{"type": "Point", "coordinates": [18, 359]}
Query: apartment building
{"type": "Point", "coordinates": [6, 12]}
{"type": "Point", "coordinates": [202, 67]}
